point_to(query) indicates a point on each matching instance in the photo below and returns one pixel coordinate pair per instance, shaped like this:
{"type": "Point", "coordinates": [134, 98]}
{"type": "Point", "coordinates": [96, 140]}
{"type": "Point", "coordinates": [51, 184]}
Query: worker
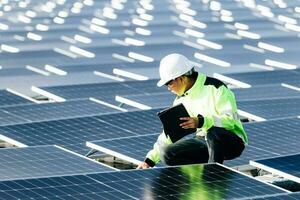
{"type": "Point", "coordinates": [213, 112]}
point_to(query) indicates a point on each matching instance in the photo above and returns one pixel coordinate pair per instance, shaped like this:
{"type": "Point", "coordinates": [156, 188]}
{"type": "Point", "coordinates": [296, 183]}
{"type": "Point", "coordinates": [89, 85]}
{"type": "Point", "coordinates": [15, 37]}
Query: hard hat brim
{"type": "Point", "coordinates": [161, 83]}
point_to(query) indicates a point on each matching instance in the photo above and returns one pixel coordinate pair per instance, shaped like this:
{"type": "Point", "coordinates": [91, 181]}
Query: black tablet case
{"type": "Point", "coordinates": [170, 119]}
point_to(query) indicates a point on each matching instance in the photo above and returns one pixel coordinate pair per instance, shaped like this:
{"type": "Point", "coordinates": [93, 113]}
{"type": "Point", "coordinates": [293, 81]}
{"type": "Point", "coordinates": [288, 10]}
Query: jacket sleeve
{"type": "Point", "coordinates": [153, 156]}
{"type": "Point", "coordinates": [225, 110]}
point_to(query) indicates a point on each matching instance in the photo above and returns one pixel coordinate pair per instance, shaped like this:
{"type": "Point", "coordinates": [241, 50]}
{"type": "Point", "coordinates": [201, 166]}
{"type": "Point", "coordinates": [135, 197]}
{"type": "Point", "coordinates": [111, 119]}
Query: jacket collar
{"type": "Point", "coordinates": [197, 85]}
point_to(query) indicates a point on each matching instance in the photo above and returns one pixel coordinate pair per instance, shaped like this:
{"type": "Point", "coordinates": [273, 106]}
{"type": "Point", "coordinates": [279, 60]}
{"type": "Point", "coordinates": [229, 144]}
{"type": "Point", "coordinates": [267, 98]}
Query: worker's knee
{"type": "Point", "coordinates": [169, 158]}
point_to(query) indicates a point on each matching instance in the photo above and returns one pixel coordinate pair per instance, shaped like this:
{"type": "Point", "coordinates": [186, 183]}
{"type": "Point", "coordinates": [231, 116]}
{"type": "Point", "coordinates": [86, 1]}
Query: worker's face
{"type": "Point", "coordinates": [176, 86]}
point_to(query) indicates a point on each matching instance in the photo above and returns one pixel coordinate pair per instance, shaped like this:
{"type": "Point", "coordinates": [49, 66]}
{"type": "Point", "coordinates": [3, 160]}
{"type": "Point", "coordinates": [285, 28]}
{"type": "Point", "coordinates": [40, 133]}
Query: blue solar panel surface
{"type": "Point", "coordinates": [261, 92]}
{"type": "Point", "coordinates": [105, 89]}
{"type": "Point", "coordinates": [156, 100]}
{"type": "Point", "coordinates": [206, 181]}
{"type": "Point", "coordinates": [272, 108]}
{"type": "Point", "coordinates": [171, 29]}
{"type": "Point", "coordinates": [73, 133]}
{"type": "Point", "coordinates": [138, 122]}
{"type": "Point", "coordinates": [269, 139]}
{"type": "Point", "coordinates": [52, 111]}
{"type": "Point", "coordinates": [9, 99]}
{"type": "Point", "coordinates": [44, 161]}
{"type": "Point", "coordinates": [269, 77]}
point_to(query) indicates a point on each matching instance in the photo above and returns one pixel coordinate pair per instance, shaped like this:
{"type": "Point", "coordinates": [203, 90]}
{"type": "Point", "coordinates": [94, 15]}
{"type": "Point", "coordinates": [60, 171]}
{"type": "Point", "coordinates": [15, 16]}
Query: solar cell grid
{"type": "Point", "coordinates": [9, 118]}
{"type": "Point", "coordinates": [272, 108]}
{"type": "Point", "coordinates": [51, 111]}
{"type": "Point", "coordinates": [8, 99]}
{"type": "Point", "coordinates": [69, 133]}
{"type": "Point", "coordinates": [43, 161]}
{"type": "Point", "coordinates": [73, 133]}
{"type": "Point", "coordinates": [139, 122]}
{"type": "Point", "coordinates": [207, 182]}
{"type": "Point", "coordinates": [270, 136]}
{"type": "Point", "coordinates": [275, 91]}
{"type": "Point", "coordinates": [270, 77]}
{"type": "Point", "coordinates": [104, 89]}
{"type": "Point", "coordinates": [155, 100]}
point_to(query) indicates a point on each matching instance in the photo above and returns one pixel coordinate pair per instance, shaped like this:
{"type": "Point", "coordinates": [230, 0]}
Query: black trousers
{"type": "Point", "coordinates": [219, 145]}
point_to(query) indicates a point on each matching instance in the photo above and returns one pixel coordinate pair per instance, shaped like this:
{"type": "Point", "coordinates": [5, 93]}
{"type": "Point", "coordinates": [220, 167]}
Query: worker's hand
{"type": "Point", "coordinates": [190, 122]}
{"type": "Point", "coordinates": [143, 165]}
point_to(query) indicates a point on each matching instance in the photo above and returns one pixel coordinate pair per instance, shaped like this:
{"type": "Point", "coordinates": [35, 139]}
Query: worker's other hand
{"type": "Point", "coordinates": [190, 122]}
{"type": "Point", "coordinates": [143, 165]}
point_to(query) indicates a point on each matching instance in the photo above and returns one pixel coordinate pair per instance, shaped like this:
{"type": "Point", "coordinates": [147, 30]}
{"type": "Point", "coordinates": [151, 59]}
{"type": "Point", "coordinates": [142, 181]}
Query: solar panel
{"type": "Point", "coordinates": [269, 77]}
{"type": "Point", "coordinates": [138, 122]}
{"type": "Point", "coordinates": [194, 181]}
{"type": "Point", "coordinates": [269, 139]}
{"type": "Point", "coordinates": [272, 108]}
{"type": "Point", "coordinates": [285, 166]}
{"type": "Point", "coordinates": [104, 89]}
{"type": "Point", "coordinates": [73, 133]}
{"type": "Point", "coordinates": [9, 118]}
{"type": "Point", "coordinates": [44, 161]}
{"type": "Point", "coordinates": [51, 111]}
{"type": "Point", "coordinates": [250, 153]}
{"type": "Point", "coordinates": [261, 92]}
{"type": "Point", "coordinates": [155, 100]}
{"type": "Point", "coordinates": [9, 99]}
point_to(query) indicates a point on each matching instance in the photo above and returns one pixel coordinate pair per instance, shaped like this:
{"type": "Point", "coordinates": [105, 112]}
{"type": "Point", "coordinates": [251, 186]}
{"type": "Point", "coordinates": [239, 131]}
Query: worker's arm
{"type": "Point", "coordinates": [225, 108]}
{"type": "Point", "coordinates": [153, 156]}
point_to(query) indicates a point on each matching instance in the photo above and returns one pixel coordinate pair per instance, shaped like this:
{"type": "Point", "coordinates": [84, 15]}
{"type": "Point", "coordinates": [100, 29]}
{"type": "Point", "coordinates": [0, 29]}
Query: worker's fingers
{"type": "Point", "coordinates": [188, 125]}
{"type": "Point", "coordinates": [142, 166]}
{"type": "Point", "coordinates": [184, 118]}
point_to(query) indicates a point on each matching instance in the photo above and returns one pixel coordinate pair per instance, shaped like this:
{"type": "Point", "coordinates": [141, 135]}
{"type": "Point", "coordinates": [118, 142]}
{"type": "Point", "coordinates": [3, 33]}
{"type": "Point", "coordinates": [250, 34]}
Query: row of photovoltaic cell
{"type": "Point", "coordinates": [52, 111]}
{"type": "Point", "coordinates": [106, 90]}
{"type": "Point", "coordinates": [44, 161]}
{"type": "Point", "coordinates": [9, 99]}
{"type": "Point", "coordinates": [265, 140]}
{"type": "Point", "coordinates": [195, 181]}
{"type": "Point", "coordinates": [73, 133]}
{"type": "Point", "coordinates": [269, 77]}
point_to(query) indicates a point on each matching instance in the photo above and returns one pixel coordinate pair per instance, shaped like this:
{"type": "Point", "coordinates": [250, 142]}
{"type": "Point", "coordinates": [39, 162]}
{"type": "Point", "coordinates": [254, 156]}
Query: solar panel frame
{"type": "Point", "coordinates": [285, 166]}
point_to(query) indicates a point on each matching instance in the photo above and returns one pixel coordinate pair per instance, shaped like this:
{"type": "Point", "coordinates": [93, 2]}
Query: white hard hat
{"type": "Point", "coordinates": [173, 66]}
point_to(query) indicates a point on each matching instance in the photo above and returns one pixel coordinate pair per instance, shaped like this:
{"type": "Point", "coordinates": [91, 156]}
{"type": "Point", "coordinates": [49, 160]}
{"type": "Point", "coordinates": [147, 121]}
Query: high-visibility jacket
{"type": "Point", "coordinates": [210, 98]}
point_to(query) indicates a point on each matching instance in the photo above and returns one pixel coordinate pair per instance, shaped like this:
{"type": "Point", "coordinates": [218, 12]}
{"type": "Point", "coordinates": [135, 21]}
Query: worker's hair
{"type": "Point", "coordinates": [191, 74]}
